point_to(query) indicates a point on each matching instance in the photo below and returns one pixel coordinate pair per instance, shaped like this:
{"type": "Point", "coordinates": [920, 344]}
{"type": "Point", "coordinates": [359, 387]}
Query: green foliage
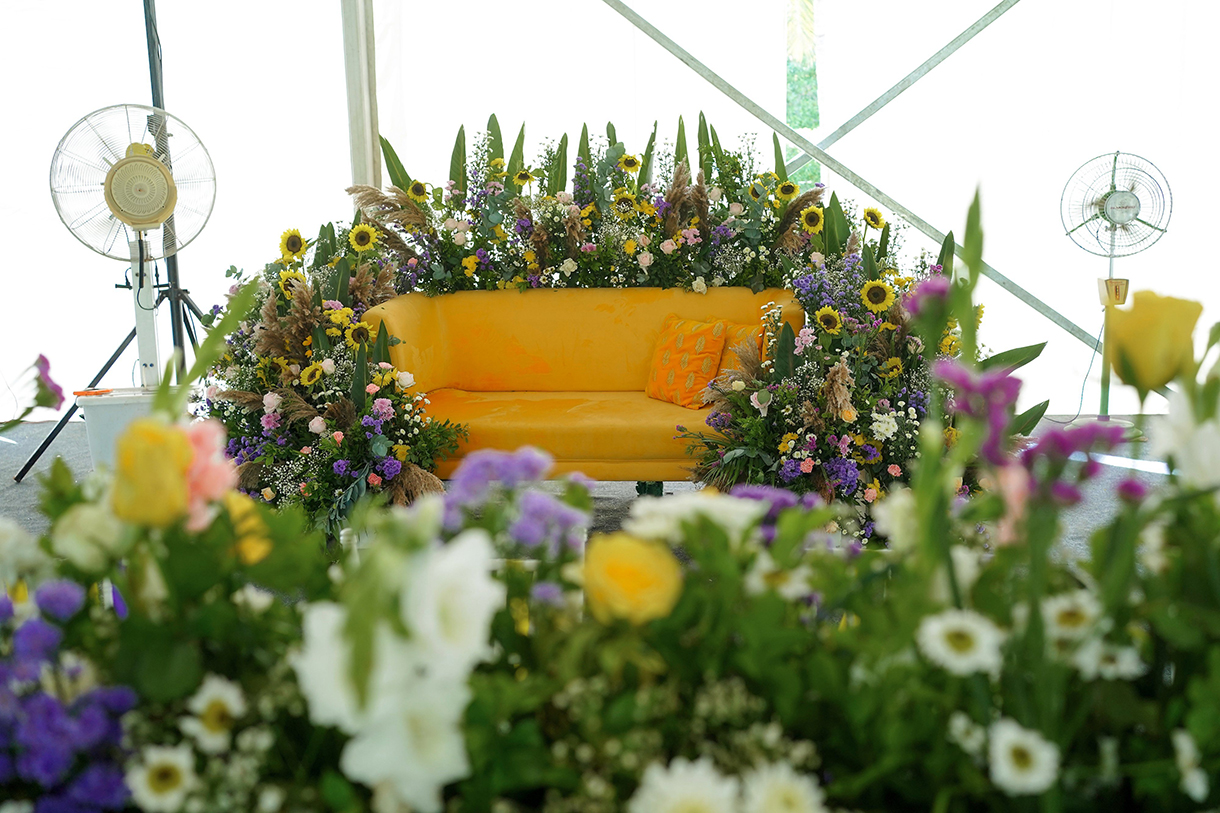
{"type": "Point", "coordinates": [781, 168]}
{"type": "Point", "coordinates": [398, 173]}
{"type": "Point", "coordinates": [457, 164]}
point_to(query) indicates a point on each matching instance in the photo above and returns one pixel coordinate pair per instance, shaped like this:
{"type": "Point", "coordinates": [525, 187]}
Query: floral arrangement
{"type": "Point", "coordinates": [664, 217]}
{"type": "Point", "coordinates": [315, 412]}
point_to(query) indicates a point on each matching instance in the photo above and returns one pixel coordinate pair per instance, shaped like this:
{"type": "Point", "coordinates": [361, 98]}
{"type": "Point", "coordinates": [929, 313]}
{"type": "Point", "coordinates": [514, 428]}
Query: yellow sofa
{"type": "Point", "coordinates": [563, 370]}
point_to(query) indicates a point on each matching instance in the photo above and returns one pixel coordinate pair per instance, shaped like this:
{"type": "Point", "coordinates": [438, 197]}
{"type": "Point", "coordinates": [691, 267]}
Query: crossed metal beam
{"type": "Point", "coordinates": [818, 151]}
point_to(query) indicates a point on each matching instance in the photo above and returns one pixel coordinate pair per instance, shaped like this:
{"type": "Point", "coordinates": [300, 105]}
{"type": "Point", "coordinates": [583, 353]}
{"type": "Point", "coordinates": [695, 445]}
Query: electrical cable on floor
{"type": "Point", "coordinates": [1085, 383]}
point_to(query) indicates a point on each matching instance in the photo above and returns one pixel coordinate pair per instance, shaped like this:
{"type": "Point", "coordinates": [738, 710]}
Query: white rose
{"type": "Point", "coordinates": [87, 535]}
{"type": "Point", "coordinates": [738, 385]}
{"type": "Point", "coordinates": [567, 267]}
{"type": "Point", "coordinates": [459, 238]}
{"type": "Point", "coordinates": [328, 366]}
{"type": "Point", "coordinates": [736, 208]}
{"type": "Point", "coordinates": [406, 380]}
{"type": "Point", "coordinates": [564, 198]}
{"type": "Point", "coordinates": [271, 402]}
{"type": "Point", "coordinates": [699, 286]}
{"type": "Point", "coordinates": [317, 425]}
{"type": "Point", "coordinates": [450, 224]}
{"type": "Point", "coordinates": [463, 226]}
{"type": "Point", "coordinates": [714, 194]}
{"type": "Point", "coordinates": [644, 259]}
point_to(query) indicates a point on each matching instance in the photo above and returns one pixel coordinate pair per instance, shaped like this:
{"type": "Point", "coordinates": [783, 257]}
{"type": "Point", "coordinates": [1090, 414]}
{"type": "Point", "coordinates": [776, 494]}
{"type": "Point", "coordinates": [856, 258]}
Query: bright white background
{"type": "Point", "coordinates": [1049, 86]}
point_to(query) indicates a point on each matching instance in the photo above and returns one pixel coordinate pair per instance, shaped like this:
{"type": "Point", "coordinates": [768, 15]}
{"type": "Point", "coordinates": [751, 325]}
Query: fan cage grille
{"type": "Point", "coordinates": [1082, 207]}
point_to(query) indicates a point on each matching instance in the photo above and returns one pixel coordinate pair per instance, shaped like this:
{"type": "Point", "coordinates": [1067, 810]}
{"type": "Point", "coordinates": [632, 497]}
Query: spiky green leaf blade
{"type": "Point", "coordinates": [320, 340]}
{"type": "Point", "coordinates": [646, 162]}
{"type": "Point", "coordinates": [680, 151]}
{"type": "Point", "coordinates": [343, 274]}
{"type": "Point", "coordinates": [883, 245]}
{"type": "Point", "coordinates": [781, 168]}
{"type": "Point", "coordinates": [1013, 359]}
{"type": "Point", "coordinates": [381, 346]}
{"type": "Point", "coordinates": [717, 151]}
{"type": "Point", "coordinates": [398, 173]}
{"type": "Point", "coordinates": [945, 258]}
{"type": "Point", "coordinates": [360, 378]}
{"type": "Point", "coordinates": [705, 148]}
{"type": "Point", "coordinates": [457, 163]}
{"type": "Point", "coordinates": [516, 161]}
{"type": "Point", "coordinates": [611, 136]}
{"type": "Point", "coordinates": [870, 265]}
{"type": "Point", "coordinates": [972, 246]}
{"type": "Point", "coordinates": [495, 141]}
{"type": "Point", "coordinates": [582, 151]}
{"type": "Point", "coordinates": [1027, 421]}
{"type": "Point", "coordinates": [557, 177]}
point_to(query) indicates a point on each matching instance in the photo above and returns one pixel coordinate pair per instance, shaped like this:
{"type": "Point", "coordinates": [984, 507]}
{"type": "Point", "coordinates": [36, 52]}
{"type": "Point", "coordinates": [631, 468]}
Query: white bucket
{"type": "Point", "coordinates": [107, 414]}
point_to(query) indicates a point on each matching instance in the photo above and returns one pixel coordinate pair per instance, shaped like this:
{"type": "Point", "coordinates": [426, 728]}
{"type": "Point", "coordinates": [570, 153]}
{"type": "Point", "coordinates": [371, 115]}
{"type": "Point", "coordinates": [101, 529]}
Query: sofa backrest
{"type": "Point", "coordinates": [581, 340]}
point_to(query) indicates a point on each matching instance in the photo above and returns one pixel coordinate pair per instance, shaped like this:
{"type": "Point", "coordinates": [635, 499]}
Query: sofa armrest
{"type": "Point", "coordinates": [414, 320]}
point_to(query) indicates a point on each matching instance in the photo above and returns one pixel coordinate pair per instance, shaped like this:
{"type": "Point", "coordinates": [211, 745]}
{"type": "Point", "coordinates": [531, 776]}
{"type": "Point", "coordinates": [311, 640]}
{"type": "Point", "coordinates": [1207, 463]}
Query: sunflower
{"type": "Point", "coordinates": [624, 203]}
{"type": "Point", "coordinates": [286, 280]}
{"type": "Point", "coordinates": [629, 163]}
{"type": "Point", "coordinates": [756, 191]}
{"type": "Point", "coordinates": [812, 220]}
{"type": "Point", "coordinates": [877, 296]}
{"type": "Point", "coordinates": [292, 246]}
{"type": "Point", "coordinates": [873, 219]}
{"type": "Point", "coordinates": [523, 177]}
{"type": "Point", "coordinates": [311, 374]}
{"type": "Point", "coordinates": [787, 190]}
{"type": "Point", "coordinates": [892, 367]}
{"type": "Point", "coordinates": [418, 191]}
{"type": "Point", "coordinates": [829, 320]}
{"type": "Point", "coordinates": [358, 333]}
{"type": "Point", "coordinates": [362, 237]}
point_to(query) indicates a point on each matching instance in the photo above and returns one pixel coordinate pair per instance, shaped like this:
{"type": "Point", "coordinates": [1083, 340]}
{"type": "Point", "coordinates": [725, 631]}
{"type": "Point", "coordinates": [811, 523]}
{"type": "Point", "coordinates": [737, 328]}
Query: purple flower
{"type": "Point", "coordinates": [6, 607]}
{"type": "Point", "coordinates": [1057, 445]}
{"type": "Point", "coordinates": [987, 396]}
{"type": "Point", "coordinates": [719, 421]}
{"type": "Point", "coordinates": [932, 291]}
{"type": "Point", "coordinates": [548, 593]}
{"type": "Point", "coordinates": [100, 785]}
{"type": "Point", "coordinates": [36, 640]}
{"type": "Point", "coordinates": [340, 467]}
{"type": "Point", "coordinates": [60, 599]}
{"type": "Point", "coordinates": [1065, 493]}
{"type": "Point", "coordinates": [1132, 490]}
{"type": "Point", "coordinates": [383, 409]}
{"type": "Point", "coordinates": [390, 467]}
{"type": "Point", "coordinates": [50, 394]}
{"type": "Point", "coordinates": [790, 470]}
{"type": "Point", "coordinates": [546, 520]}
{"type": "Point", "coordinates": [843, 474]}
{"type": "Point", "coordinates": [270, 421]}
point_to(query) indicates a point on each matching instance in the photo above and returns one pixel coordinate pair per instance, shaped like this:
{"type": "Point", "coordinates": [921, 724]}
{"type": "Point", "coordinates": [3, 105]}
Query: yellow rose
{"type": "Point", "coordinates": [630, 578]}
{"type": "Point", "coordinates": [252, 544]}
{"type": "Point", "coordinates": [1152, 343]}
{"type": "Point", "coordinates": [150, 465]}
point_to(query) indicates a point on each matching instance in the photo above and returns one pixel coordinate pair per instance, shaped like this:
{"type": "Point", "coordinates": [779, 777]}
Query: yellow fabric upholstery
{"type": "Point", "coordinates": [563, 370]}
{"type": "Point", "coordinates": [684, 361]}
{"type": "Point", "coordinates": [736, 335]}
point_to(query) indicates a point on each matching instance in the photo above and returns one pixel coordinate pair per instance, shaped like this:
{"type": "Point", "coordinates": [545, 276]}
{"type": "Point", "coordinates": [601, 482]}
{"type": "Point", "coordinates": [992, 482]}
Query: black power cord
{"type": "Point", "coordinates": [1085, 383]}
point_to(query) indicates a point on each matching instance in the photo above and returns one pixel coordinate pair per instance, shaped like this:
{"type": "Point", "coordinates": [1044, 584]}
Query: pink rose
{"type": "Point", "coordinates": [374, 480]}
{"type": "Point", "coordinates": [564, 198]}
{"type": "Point", "coordinates": [328, 366]}
{"type": "Point", "coordinates": [459, 238]}
{"type": "Point", "coordinates": [317, 425]}
{"type": "Point", "coordinates": [870, 494]}
{"type": "Point", "coordinates": [644, 259]}
{"type": "Point", "coordinates": [271, 402]}
{"type": "Point", "coordinates": [736, 208]}
{"type": "Point", "coordinates": [385, 365]}
{"type": "Point", "coordinates": [574, 210]}
{"type": "Point", "coordinates": [338, 436]}
{"type": "Point", "coordinates": [372, 389]}
{"type": "Point", "coordinates": [645, 240]}
{"type": "Point", "coordinates": [210, 476]}
{"type": "Point", "coordinates": [895, 470]}
{"type": "Point", "coordinates": [210, 394]}
{"type": "Point", "coordinates": [668, 247]}
{"type": "Point", "coordinates": [306, 449]}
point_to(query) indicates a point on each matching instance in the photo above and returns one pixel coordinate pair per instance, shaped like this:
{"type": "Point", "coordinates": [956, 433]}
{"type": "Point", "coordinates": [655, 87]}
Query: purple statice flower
{"type": "Point", "coordinates": [471, 483]}
{"type": "Point", "coordinates": [867, 530]}
{"type": "Point", "coordinates": [340, 467]}
{"type": "Point", "coordinates": [36, 640]}
{"type": "Point", "coordinates": [988, 396]}
{"type": "Point", "coordinates": [778, 500]}
{"type": "Point", "coordinates": [790, 470]}
{"type": "Point", "coordinates": [50, 394]}
{"type": "Point", "coordinates": [99, 785]}
{"type": "Point", "coordinates": [546, 520]}
{"type": "Point", "coordinates": [60, 599]}
{"type": "Point", "coordinates": [719, 421]}
{"type": "Point", "coordinates": [1132, 490]}
{"type": "Point", "coordinates": [932, 291]}
{"type": "Point", "coordinates": [524, 226]}
{"type": "Point", "coordinates": [6, 607]}
{"type": "Point", "coordinates": [390, 467]}
{"type": "Point", "coordinates": [843, 474]}
{"type": "Point", "coordinates": [548, 593]}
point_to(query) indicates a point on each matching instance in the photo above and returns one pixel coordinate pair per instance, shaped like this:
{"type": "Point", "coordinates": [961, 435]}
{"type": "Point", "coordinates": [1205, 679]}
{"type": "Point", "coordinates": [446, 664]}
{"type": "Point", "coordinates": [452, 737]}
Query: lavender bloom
{"type": "Point", "coordinates": [790, 470]}
{"type": "Point", "coordinates": [340, 467]}
{"type": "Point", "coordinates": [60, 599]}
{"type": "Point", "coordinates": [548, 593]}
{"type": "Point", "coordinates": [50, 394]}
{"type": "Point", "coordinates": [36, 640]}
{"type": "Point", "coordinates": [6, 607]}
{"type": "Point", "coordinates": [100, 785]}
{"type": "Point", "coordinates": [719, 421]}
{"type": "Point", "coordinates": [545, 520]}
{"type": "Point", "coordinates": [390, 467]}
{"type": "Point", "coordinates": [471, 484]}
{"type": "Point", "coordinates": [843, 474]}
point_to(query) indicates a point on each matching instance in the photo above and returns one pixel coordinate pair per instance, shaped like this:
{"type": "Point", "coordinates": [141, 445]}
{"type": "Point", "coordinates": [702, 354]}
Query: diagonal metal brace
{"type": "Point", "coordinates": [839, 168]}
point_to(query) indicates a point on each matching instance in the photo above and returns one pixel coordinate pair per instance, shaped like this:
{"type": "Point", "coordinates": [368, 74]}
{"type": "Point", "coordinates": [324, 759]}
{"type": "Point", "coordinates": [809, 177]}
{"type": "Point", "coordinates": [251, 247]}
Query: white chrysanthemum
{"type": "Point", "coordinates": [1022, 761]}
{"type": "Point", "coordinates": [661, 518]}
{"type": "Point", "coordinates": [255, 599]}
{"type": "Point", "coordinates": [217, 706]}
{"type": "Point", "coordinates": [323, 666]}
{"type": "Point", "coordinates": [87, 535]}
{"type": "Point", "coordinates": [961, 641]}
{"type": "Point", "coordinates": [895, 517]}
{"type": "Point", "coordinates": [967, 734]}
{"type": "Point", "coordinates": [1152, 549]}
{"type": "Point", "coordinates": [449, 598]}
{"type": "Point", "coordinates": [967, 564]}
{"type": "Point", "coordinates": [1071, 616]}
{"type": "Point", "coordinates": [766, 575]}
{"type": "Point", "coordinates": [162, 778]}
{"type": "Point", "coordinates": [884, 425]}
{"type": "Point", "coordinates": [684, 787]}
{"type": "Point", "coordinates": [1195, 783]}
{"type": "Point", "coordinates": [412, 739]}
{"type": "Point", "coordinates": [778, 788]}
{"type": "Point", "coordinates": [1097, 659]}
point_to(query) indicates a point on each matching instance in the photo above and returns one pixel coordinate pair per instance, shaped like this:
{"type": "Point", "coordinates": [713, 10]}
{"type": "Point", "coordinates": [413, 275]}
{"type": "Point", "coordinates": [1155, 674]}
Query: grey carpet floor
{"type": "Point", "coordinates": [612, 500]}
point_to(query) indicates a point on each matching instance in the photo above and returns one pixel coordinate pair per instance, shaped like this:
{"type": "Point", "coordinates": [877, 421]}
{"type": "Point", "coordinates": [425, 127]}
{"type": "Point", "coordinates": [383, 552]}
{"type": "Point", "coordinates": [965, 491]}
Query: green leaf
{"type": "Point", "coordinates": [516, 161]}
{"type": "Point", "coordinates": [781, 168]}
{"type": "Point", "coordinates": [883, 245]}
{"type": "Point", "coordinates": [343, 279]}
{"type": "Point", "coordinates": [717, 152]}
{"type": "Point", "coordinates": [380, 445]}
{"type": "Point", "coordinates": [945, 259]}
{"type": "Point", "coordinates": [360, 379]}
{"type": "Point", "coordinates": [170, 673]}
{"type": "Point", "coordinates": [785, 352]}
{"type": "Point", "coordinates": [972, 246]}
{"type": "Point", "coordinates": [495, 142]}
{"type": "Point", "coordinates": [705, 148]}
{"type": "Point", "coordinates": [337, 792]}
{"type": "Point", "coordinates": [836, 228]}
{"type": "Point", "coordinates": [582, 150]}
{"type": "Point", "coordinates": [870, 265]}
{"type": "Point", "coordinates": [398, 173]}
{"type": "Point", "coordinates": [557, 177]}
{"type": "Point", "coordinates": [680, 152]}
{"type": "Point", "coordinates": [1213, 336]}
{"type": "Point", "coordinates": [610, 134]}
{"type": "Point", "coordinates": [1026, 422]}
{"type": "Point", "coordinates": [173, 399]}
{"type": "Point", "coordinates": [646, 161]}
{"type": "Point", "coordinates": [381, 347]}
{"type": "Point", "coordinates": [1013, 359]}
{"type": "Point", "coordinates": [457, 164]}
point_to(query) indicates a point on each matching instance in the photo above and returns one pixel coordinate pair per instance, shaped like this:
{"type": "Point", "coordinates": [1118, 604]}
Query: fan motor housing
{"type": "Point", "coordinates": [1121, 207]}
{"type": "Point", "coordinates": [140, 191]}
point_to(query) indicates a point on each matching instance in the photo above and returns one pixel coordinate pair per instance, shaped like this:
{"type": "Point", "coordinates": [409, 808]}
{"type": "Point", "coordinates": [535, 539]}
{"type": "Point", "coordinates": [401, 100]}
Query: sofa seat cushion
{"type": "Point", "coordinates": [572, 426]}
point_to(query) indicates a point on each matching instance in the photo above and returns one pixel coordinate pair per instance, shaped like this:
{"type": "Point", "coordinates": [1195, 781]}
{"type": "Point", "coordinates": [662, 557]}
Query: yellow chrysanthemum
{"type": "Point", "coordinates": [358, 334]}
{"type": "Point", "coordinates": [401, 450]}
{"type": "Point", "coordinates": [629, 247]}
{"type": "Point", "coordinates": [892, 367]}
{"type": "Point", "coordinates": [470, 264]}
{"type": "Point", "coordinates": [311, 374]}
{"type": "Point", "coordinates": [787, 190]}
{"type": "Point", "coordinates": [496, 164]}
{"type": "Point", "coordinates": [362, 237]}
{"type": "Point", "coordinates": [500, 234]}
{"type": "Point", "coordinates": [418, 191]}
{"type": "Point", "coordinates": [340, 317]}
{"type": "Point", "coordinates": [523, 177]}
{"type": "Point", "coordinates": [787, 441]}
{"type": "Point", "coordinates": [877, 295]}
{"type": "Point", "coordinates": [629, 163]}
{"type": "Point", "coordinates": [286, 280]}
{"type": "Point", "coordinates": [812, 220]}
{"type": "Point", "coordinates": [291, 244]}
{"type": "Point", "coordinates": [829, 320]}
{"type": "Point", "coordinates": [630, 578]}
{"type": "Point", "coordinates": [949, 345]}
{"type": "Point", "coordinates": [873, 219]}
{"type": "Point", "coordinates": [624, 203]}
{"type": "Point", "coordinates": [951, 436]}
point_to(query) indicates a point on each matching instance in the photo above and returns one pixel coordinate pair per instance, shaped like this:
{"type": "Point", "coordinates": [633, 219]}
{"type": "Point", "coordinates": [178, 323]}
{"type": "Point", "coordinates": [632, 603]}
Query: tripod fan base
{"type": "Point", "coordinates": [1130, 433]}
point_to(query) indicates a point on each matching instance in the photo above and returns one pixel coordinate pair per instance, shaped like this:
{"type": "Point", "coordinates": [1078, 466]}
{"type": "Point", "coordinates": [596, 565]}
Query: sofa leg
{"type": "Point", "coordinates": [654, 488]}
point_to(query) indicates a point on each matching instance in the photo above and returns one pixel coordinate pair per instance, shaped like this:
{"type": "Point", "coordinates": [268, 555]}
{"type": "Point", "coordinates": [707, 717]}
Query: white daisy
{"type": "Point", "coordinates": [1097, 659]}
{"type": "Point", "coordinates": [255, 599]}
{"type": "Point", "coordinates": [162, 778]}
{"type": "Point", "coordinates": [966, 734]}
{"type": "Point", "coordinates": [1195, 783]}
{"type": "Point", "coordinates": [766, 575]}
{"type": "Point", "coordinates": [777, 788]}
{"type": "Point", "coordinates": [662, 518]}
{"type": "Point", "coordinates": [961, 641]}
{"type": "Point", "coordinates": [20, 806]}
{"type": "Point", "coordinates": [1071, 616]}
{"type": "Point", "coordinates": [217, 706]}
{"type": "Point", "coordinates": [895, 517]}
{"type": "Point", "coordinates": [1022, 761]}
{"type": "Point", "coordinates": [967, 564]}
{"type": "Point", "coordinates": [684, 787]}
{"type": "Point", "coordinates": [884, 426]}
{"type": "Point", "coordinates": [449, 598]}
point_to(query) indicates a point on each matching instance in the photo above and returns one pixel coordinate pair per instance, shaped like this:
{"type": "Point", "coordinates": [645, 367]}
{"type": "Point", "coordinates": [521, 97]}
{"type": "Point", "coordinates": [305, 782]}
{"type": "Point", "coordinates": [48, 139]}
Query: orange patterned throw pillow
{"type": "Point", "coordinates": [685, 360]}
{"type": "Point", "coordinates": [735, 336]}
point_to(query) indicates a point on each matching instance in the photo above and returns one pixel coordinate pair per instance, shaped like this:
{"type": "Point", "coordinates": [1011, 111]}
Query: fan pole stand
{"type": "Point", "coordinates": [144, 293]}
